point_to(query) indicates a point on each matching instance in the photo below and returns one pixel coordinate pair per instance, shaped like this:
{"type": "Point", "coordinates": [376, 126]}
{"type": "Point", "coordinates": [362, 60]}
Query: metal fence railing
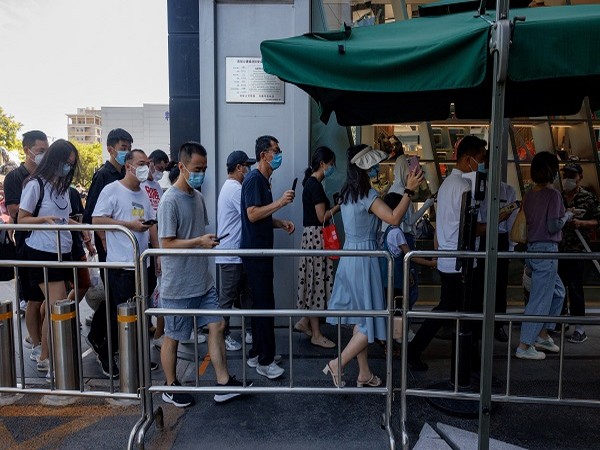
{"type": "Point", "coordinates": [137, 435]}
{"type": "Point", "coordinates": [507, 396]}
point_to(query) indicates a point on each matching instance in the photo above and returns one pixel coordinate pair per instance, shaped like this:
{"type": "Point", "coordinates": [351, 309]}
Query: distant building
{"type": "Point", "coordinates": [85, 126]}
{"type": "Point", "coordinates": [148, 125]}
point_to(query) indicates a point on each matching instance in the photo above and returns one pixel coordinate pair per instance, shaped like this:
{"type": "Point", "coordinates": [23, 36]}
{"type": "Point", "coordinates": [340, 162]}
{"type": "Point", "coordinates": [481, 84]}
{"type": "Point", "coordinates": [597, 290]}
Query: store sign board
{"type": "Point", "coordinates": [247, 82]}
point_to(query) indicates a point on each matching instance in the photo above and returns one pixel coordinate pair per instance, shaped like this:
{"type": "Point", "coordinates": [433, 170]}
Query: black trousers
{"type": "Point", "coordinates": [570, 272]}
{"type": "Point", "coordinates": [450, 297]}
{"type": "Point", "coordinates": [121, 288]}
{"type": "Point", "coordinates": [260, 283]}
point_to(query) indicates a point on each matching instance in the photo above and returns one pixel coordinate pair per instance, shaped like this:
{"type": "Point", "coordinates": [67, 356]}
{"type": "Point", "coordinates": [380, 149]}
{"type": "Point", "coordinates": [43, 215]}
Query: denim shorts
{"type": "Point", "coordinates": [180, 328]}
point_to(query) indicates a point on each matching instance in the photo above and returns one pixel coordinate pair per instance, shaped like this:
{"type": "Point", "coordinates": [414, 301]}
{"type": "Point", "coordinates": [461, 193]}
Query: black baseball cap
{"type": "Point", "coordinates": [239, 157]}
{"type": "Point", "coordinates": [573, 167]}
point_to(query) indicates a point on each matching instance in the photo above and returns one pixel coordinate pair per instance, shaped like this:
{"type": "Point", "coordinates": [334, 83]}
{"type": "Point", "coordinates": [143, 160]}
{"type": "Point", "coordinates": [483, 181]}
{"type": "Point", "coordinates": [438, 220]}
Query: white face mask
{"type": "Point", "coordinates": [157, 175]}
{"type": "Point", "coordinates": [569, 184]}
{"type": "Point", "coordinates": [37, 159]}
{"type": "Point", "coordinates": [141, 172]}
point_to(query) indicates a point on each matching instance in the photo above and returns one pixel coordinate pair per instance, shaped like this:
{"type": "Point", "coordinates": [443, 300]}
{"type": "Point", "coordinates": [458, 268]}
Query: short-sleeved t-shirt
{"type": "Point", "coordinates": [13, 185]}
{"type": "Point", "coordinates": [53, 204]}
{"type": "Point", "coordinates": [395, 239]}
{"type": "Point", "coordinates": [120, 203]}
{"type": "Point", "coordinates": [229, 220]}
{"type": "Point", "coordinates": [540, 206]}
{"type": "Point", "coordinates": [256, 191]}
{"type": "Point", "coordinates": [313, 194]}
{"type": "Point", "coordinates": [154, 193]}
{"type": "Point", "coordinates": [183, 215]}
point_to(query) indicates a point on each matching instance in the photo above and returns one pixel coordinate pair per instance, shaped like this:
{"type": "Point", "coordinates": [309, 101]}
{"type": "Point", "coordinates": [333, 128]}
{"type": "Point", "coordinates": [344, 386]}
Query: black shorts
{"type": "Point", "coordinates": [36, 275]}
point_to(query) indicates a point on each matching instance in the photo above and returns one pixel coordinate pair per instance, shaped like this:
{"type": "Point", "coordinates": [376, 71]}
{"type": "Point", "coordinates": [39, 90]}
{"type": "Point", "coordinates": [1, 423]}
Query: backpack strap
{"type": "Point", "coordinates": [38, 205]}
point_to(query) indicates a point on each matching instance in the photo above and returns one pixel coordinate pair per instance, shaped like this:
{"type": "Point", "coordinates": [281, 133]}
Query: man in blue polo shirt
{"type": "Point", "coordinates": [257, 208]}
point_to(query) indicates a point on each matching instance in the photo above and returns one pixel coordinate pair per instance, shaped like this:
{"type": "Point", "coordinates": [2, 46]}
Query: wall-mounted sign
{"type": "Point", "coordinates": [247, 82]}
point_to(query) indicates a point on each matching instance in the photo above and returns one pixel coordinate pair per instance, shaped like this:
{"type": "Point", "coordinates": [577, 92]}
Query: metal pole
{"type": "Point", "coordinates": [8, 371]}
{"type": "Point", "coordinates": [64, 334]}
{"type": "Point", "coordinates": [128, 351]}
{"type": "Point", "coordinates": [499, 47]}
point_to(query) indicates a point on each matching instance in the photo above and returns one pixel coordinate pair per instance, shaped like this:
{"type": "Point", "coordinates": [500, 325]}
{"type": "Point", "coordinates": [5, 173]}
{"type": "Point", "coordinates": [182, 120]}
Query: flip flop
{"type": "Point", "coordinates": [323, 342]}
{"type": "Point", "coordinates": [374, 381]}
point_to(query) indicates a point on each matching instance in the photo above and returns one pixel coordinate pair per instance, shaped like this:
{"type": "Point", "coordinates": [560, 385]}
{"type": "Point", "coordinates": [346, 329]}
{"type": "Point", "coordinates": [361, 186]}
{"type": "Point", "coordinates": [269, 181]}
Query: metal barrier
{"type": "Point", "coordinates": [507, 397]}
{"type": "Point", "coordinates": [79, 390]}
{"type": "Point", "coordinates": [8, 374]}
{"type": "Point", "coordinates": [139, 430]}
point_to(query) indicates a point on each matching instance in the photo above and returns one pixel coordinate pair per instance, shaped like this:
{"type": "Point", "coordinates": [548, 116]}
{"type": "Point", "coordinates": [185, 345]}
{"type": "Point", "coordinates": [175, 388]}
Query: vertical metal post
{"type": "Point", "coordinates": [64, 335]}
{"type": "Point", "coordinates": [8, 372]}
{"type": "Point", "coordinates": [499, 48]}
{"type": "Point", "coordinates": [128, 351]}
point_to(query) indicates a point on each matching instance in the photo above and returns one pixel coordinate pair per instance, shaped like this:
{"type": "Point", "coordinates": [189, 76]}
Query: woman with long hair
{"type": "Point", "coordinates": [546, 216]}
{"type": "Point", "coordinates": [357, 283]}
{"type": "Point", "coordinates": [315, 276]}
{"type": "Point", "coordinates": [45, 200]}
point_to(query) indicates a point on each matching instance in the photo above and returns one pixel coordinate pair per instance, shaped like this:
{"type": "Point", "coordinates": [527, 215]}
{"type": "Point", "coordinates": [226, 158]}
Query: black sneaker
{"type": "Point", "coordinates": [500, 334]}
{"type": "Point", "coordinates": [232, 382]}
{"type": "Point", "coordinates": [577, 337]}
{"type": "Point", "coordinates": [104, 365]}
{"type": "Point", "coordinates": [179, 399]}
{"type": "Point", "coordinates": [153, 366]}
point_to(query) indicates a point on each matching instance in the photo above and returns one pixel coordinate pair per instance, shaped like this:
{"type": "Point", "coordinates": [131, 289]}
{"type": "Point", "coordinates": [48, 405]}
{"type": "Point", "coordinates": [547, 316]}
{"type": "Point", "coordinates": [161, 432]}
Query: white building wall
{"type": "Point", "coordinates": [147, 124]}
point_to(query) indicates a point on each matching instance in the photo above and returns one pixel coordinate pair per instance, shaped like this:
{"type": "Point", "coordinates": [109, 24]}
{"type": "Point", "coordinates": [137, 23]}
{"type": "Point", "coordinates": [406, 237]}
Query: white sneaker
{"type": "Point", "coordinates": [43, 365]}
{"type": "Point", "coordinates": [36, 352]}
{"type": "Point", "coordinates": [530, 353]}
{"type": "Point", "coordinates": [231, 344]}
{"type": "Point", "coordinates": [546, 344]}
{"type": "Point", "coordinates": [22, 306]}
{"type": "Point", "coordinates": [201, 338]}
{"type": "Point", "coordinates": [271, 371]}
{"type": "Point", "coordinates": [253, 362]}
{"type": "Point", "coordinates": [248, 337]}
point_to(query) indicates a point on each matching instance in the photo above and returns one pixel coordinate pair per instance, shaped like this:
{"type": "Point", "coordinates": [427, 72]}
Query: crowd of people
{"type": "Point", "coordinates": [125, 191]}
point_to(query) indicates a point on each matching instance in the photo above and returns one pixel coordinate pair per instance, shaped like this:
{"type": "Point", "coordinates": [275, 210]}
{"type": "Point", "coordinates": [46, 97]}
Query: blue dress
{"type": "Point", "coordinates": [358, 284]}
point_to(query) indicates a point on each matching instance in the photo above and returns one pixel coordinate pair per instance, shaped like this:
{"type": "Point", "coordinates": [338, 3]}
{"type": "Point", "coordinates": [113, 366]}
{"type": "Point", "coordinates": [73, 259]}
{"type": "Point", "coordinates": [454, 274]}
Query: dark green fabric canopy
{"type": "Point", "coordinates": [414, 70]}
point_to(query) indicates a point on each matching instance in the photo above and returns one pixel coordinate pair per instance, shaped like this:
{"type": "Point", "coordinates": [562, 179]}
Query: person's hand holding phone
{"type": "Point", "coordinates": [287, 198]}
{"type": "Point", "coordinates": [414, 179]}
{"type": "Point", "coordinates": [206, 241]}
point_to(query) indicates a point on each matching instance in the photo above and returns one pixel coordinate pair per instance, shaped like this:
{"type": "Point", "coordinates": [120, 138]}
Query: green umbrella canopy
{"type": "Point", "coordinates": [414, 70]}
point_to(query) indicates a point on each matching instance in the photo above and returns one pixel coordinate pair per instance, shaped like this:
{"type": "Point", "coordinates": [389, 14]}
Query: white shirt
{"type": "Point", "coordinates": [229, 220]}
{"type": "Point", "coordinates": [395, 239]}
{"type": "Point", "coordinates": [449, 200]}
{"type": "Point", "coordinates": [53, 204]}
{"type": "Point", "coordinates": [507, 196]}
{"type": "Point", "coordinates": [120, 203]}
{"type": "Point", "coordinates": [154, 192]}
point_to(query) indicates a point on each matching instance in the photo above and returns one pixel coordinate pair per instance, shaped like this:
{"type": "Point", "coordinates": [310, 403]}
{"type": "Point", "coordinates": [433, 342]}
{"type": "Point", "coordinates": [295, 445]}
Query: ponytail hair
{"type": "Point", "coordinates": [321, 154]}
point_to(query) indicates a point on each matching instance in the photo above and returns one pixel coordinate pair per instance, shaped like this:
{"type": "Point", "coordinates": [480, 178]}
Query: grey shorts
{"type": "Point", "coordinates": [180, 328]}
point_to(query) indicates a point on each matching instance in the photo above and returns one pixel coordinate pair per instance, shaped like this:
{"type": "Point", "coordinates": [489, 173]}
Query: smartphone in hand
{"type": "Point", "coordinates": [413, 163]}
{"type": "Point", "coordinates": [149, 222]}
{"type": "Point", "coordinates": [294, 184]}
{"type": "Point", "coordinates": [218, 238]}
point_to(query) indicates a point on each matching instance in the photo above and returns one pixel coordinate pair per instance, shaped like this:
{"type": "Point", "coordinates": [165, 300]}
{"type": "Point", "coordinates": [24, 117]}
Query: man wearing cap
{"type": "Point", "coordinates": [571, 270]}
{"type": "Point", "coordinates": [257, 209]}
{"type": "Point", "coordinates": [234, 282]}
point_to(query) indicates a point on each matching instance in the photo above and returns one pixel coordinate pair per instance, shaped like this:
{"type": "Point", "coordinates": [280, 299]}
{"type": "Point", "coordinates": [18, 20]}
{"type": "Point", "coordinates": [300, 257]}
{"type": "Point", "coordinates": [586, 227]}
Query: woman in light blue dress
{"type": "Point", "coordinates": [358, 284]}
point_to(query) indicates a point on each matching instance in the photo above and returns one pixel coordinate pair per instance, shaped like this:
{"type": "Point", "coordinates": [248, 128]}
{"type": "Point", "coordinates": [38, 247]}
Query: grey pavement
{"type": "Point", "coordinates": [289, 421]}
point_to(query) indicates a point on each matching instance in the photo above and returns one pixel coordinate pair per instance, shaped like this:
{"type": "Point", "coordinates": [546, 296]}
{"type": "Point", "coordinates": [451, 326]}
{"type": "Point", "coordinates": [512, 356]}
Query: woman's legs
{"type": "Point", "coordinates": [56, 291]}
{"type": "Point", "coordinates": [357, 347]}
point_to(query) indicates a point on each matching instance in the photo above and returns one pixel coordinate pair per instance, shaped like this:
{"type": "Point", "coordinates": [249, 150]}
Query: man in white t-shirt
{"type": "Point", "coordinates": [124, 203]}
{"type": "Point", "coordinates": [234, 281]}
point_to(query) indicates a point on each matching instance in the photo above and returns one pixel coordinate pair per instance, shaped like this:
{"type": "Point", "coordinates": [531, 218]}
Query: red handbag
{"type": "Point", "coordinates": [330, 238]}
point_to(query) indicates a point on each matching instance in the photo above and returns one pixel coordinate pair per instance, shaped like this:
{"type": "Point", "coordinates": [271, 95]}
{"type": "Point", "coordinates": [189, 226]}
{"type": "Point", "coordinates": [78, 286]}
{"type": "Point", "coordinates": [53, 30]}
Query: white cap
{"type": "Point", "coordinates": [368, 157]}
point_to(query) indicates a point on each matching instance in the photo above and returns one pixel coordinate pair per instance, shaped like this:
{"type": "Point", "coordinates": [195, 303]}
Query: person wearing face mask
{"type": "Point", "coordinates": [234, 280]}
{"type": "Point", "coordinates": [182, 220]}
{"type": "Point", "coordinates": [257, 209]}
{"type": "Point", "coordinates": [121, 202]}
{"type": "Point", "coordinates": [315, 274]}
{"type": "Point", "coordinates": [470, 155]}
{"type": "Point", "coordinates": [118, 144]}
{"type": "Point", "coordinates": [571, 270]}
{"type": "Point", "coordinates": [35, 145]}
{"type": "Point", "coordinates": [45, 200]}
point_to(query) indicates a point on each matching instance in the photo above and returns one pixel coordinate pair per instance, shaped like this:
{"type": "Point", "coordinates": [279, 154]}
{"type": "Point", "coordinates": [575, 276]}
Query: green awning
{"type": "Point", "coordinates": [413, 70]}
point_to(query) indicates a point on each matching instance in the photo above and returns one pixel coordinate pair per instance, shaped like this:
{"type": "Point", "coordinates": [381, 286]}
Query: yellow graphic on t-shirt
{"type": "Point", "coordinates": [137, 210]}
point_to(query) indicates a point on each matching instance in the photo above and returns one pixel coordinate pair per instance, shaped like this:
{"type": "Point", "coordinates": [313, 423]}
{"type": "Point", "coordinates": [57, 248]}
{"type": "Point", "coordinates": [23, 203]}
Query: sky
{"type": "Point", "coordinates": [60, 55]}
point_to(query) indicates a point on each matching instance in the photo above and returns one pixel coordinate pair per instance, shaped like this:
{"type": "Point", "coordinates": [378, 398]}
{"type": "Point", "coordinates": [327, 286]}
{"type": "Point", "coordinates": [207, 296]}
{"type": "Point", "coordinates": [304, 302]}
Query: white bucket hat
{"type": "Point", "coordinates": [368, 157]}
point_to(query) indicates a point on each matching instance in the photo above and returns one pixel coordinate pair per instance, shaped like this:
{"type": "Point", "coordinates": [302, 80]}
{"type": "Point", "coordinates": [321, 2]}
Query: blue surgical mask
{"type": "Point", "coordinates": [120, 158]}
{"type": "Point", "coordinates": [66, 169]}
{"type": "Point", "coordinates": [481, 168]}
{"type": "Point", "coordinates": [329, 171]}
{"type": "Point", "coordinates": [195, 179]}
{"type": "Point", "coordinates": [373, 171]}
{"type": "Point", "coordinates": [276, 161]}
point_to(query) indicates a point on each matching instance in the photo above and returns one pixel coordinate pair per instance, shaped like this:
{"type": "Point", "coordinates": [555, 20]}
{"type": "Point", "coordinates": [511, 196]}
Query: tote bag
{"type": "Point", "coordinates": [518, 232]}
{"type": "Point", "coordinates": [330, 238]}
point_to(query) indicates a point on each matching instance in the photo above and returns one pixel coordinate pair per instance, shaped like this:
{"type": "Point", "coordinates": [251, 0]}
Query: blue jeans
{"type": "Point", "coordinates": [547, 291]}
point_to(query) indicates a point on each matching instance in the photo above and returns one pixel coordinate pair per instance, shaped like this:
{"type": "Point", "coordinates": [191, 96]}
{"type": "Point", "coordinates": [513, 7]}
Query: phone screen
{"type": "Point", "coordinates": [413, 163]}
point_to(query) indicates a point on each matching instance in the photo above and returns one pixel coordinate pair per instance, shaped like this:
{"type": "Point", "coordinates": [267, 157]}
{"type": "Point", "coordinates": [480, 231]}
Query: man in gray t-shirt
{"type": "Point", "coordinates": [186, 282]}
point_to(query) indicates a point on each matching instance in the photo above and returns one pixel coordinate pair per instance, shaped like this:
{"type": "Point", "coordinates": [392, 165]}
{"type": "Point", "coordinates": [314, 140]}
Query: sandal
{"type": "Point", "coordinates": [322, 342]}
{"type": "Point", "coordinates": [374, 381]}
{"type": "Point", "coordinates": [303, 329]}
{"type": "Point", "coordinates": [327, 371]}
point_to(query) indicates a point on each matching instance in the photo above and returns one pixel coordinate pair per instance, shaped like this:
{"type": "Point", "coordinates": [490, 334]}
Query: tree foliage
{"type": "Point", "coordinates": [90, 159]}
{"type": "Point", "coordinates": [9, 128]}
